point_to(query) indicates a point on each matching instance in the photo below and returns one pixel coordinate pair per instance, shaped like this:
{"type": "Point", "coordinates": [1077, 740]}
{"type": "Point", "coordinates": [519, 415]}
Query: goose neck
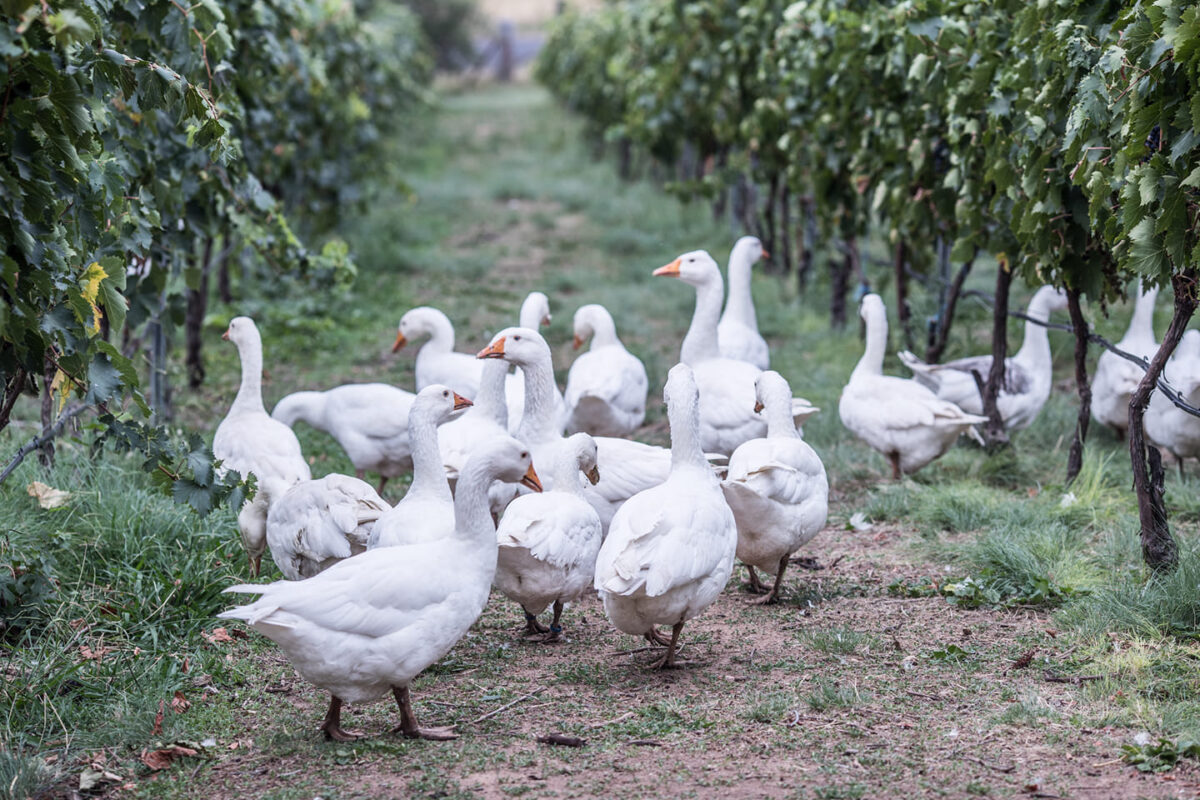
{"type": "Point", "coordinates": [780, 423]}
{"type": "Point", "coordinates": [1141, 325]}
{"type": "Point", "coordinates": [441, 334]}
{"type": "Point", "coordinates": [249, 396]}
{"type": "Point", "coordinates": [301, 407]}
{"type": "Point", "coordinates": [537, 423]}
{"type": "Point", "coordinates": [429, 477]}
{"type": "Point", "coordinates": [700, 344]}
{"type": "Point", "coordinates": [472, 514]}
{"type": "Point", "coordinates": [740, 305]}
{"type": "Point", "coordinates": [686, 452]}
{"type": "Point", "coordinates": [871, 362]}
{"type": "Point", "coordinates": [490, 401]}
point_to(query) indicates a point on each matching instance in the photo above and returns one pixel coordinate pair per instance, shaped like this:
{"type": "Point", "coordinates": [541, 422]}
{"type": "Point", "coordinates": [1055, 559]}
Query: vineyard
{"type": "Point", "coordinates": [1018, 618]}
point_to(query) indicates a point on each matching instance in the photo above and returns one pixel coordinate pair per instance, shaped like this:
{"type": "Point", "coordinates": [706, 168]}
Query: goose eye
{"type": "Point", "coordinates": [517, 338]}
{"type": "Point", "coordinates": [445, 394]}
{"type": "Point", "coordinates": [524, 455]}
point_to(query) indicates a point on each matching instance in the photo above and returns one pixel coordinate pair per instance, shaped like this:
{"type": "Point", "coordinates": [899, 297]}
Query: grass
{"type": "Point", "coordinates": [504, 199]}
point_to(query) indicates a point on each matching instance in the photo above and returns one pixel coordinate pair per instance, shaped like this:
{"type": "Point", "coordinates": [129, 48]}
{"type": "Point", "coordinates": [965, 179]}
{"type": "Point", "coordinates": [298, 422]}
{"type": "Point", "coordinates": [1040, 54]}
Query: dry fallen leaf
{"type": "Point", "coordinates": [47, 496]}
{"type": "Point", "coordinates": [180, 703]}
{"type": "Point", "coordinates": [158, 720]}
{"type": "Point", "coordinates": [163, 757]}
{"type": "Point", "coordinates": [92, 778]}
{"type": "Point", "coordinates": [217, 635]}
{"type": "Point", "coordinates": [96, 654]}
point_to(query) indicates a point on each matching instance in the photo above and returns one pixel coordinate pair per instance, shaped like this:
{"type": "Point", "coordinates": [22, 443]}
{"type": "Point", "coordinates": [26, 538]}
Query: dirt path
{"type": "Point", "coordinates": [842, 691]}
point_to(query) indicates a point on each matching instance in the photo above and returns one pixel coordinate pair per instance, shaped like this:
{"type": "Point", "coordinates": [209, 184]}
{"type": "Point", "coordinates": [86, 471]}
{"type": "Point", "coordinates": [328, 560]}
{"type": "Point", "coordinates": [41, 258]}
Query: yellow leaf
{"type": "Point", "coordinates": [49, 497]}
{"type": "Point", "coordinates": [91, 290]}
{"type": "Point", "coordinates": [62, 386]}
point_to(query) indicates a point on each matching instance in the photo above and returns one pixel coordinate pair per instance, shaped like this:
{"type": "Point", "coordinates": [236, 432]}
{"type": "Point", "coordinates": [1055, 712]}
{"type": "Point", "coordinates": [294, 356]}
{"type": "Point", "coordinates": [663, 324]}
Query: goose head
{"type": "Point", "coordinates": [241, 331]}
{"type": "Point", "coordinates": [696, 268]}
{"type": "Point", "coordinates": [872, 309]}
{"type": "Point", "coordinates": [418, 322]}
{"type": "Point", "coordinates": [508, 460]}
{"type": "Point", "coordinates": [748, 249]}
{"type": "Point", "coordinates": [1048, 299]}
{"type": "Point", "coordinates": [585, 324]}
{"type": "Point", "coordinates": [523, 347]}
{"type": "Point", "coordinates": [581, 455]}
{"type": "Point", "coordinates": [535, 311]}
{"type": "Point", "coordinates": [771, 388]}
{"type": "Point", "coordinates": [438, 403]}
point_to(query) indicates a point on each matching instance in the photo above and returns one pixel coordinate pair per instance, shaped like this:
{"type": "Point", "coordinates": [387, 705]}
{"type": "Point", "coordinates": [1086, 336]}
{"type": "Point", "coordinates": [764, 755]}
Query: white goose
{"type": "Point", "coordinates": [1116, 378]}
{"type": "Point", "coordinates": [486, 419]}
{"type": "Point", "coordinates": [738, 331]}
{"type": "Point", "coordinates": [368, 625]}
{"type": "Point", "coordinates": [368, 420]}
{"type": "Point", "coordinates": [312, 525]}
{"type": "Point", "coordinates": [1027, 375]}
{"type": "Point", "coordinates": [437, 362]}
{"type": "Point", "coordinates": [607, 385]}
{"type": "Point", "coordinates": [900, 418]}
{"type": "Point", "coordinates": [669, 550]}
{"type": "Point", "coordinates": [626, 467]}
{"type": "Point", "coordinates": [426, 514]}
{"type": "Point", "coordinates": [1166, 425]}
{"type": "Point", "coordinates": [549, 541]}
{"type": "Point", "coordinates": [250, 442]}
{"type": "Point", "coordinates": [777, 489]}
{"type": "Point", "coordinates": [727, 415]}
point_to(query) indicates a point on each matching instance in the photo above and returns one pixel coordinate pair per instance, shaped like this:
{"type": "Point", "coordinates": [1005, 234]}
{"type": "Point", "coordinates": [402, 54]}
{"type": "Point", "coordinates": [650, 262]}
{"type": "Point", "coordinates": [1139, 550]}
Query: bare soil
{"type": "Point", "coordinates": [769, 703]}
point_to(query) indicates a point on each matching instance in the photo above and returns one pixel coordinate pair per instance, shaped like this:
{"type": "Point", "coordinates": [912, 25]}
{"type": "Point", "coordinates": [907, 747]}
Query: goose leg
{"type": "Point", "coordinates": [532, 626]}
{"type": "Point", "coordinates": [668, 659]}
{"type": "Point", "coordinates": [756, 586]}
{"type": "Point", "coordinates": [408, 721]}
{"type": "Point", "coordinates": [895, 459]}
{"type": "Point", "coordinates": [255, 565]}
{"type": "Point", "coordinates": [383, 479]}
{"type": "Point", "coordinates": [332, 724]}
{"type": "Point", "coordinates": [654, 637]}
{"type": "Point", "coordinates": [555, 628]}
{"type": "Point", "coordinates": [772, 596]}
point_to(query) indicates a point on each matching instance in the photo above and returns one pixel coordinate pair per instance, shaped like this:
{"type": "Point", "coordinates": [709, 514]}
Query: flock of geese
{"type": "Point", "coordinates": [376, 593]}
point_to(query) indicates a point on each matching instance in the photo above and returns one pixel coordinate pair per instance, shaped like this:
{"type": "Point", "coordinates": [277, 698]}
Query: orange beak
{"type": "Point", "coordinates": [758, 407]}
{"type": "Point", "coordinates": [225, 335]}
{"type": "Point", "coordinates": [531, 479]}
{"type": "Point", "coordinates": [765, 254]}
{"type": "Point", "coordinates": [577, 342]}
{"type": "Point", "coordinates": [669, 271]}
{"type": "Point", "coordinates": [400, 342]}
{"type": "Point", "coordinates": [461, 402]}
{"type": "Point", "coordinates": [493, 350]}
{"type": "Point", "coordinates": [545, 320]}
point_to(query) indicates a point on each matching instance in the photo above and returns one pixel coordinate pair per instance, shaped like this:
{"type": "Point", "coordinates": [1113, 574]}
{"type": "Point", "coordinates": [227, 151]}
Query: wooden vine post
{"type": "Point", "coordinates": [994, 435]}
{"type": "Point", "coordinates": [1158, 545]}
{"type": "Point", "coordinates": [1082, 385]}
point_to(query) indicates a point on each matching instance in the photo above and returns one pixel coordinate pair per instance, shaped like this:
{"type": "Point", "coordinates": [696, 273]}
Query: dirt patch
{"type": "Point", "coordinates": [840, 691]}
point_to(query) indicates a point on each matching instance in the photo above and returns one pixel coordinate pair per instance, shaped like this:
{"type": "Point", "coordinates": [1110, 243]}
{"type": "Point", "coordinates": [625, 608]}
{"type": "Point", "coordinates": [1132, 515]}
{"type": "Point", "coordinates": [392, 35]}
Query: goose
{"type": "Point", "coordinates": [607, 385]}
{"type": "Point", "coordinates": [368, 420]}
{"type": "Point", "coordinates": [1166, 425]}
{"type": "Point", "coordinates": [900, 418]}
{"type": "Point", "coordinates": [549, 541]}
{"type": "Point", "coordinates": [486, 419]}
{"type": "Point", "coordinates": [312, 525]}
{"type": "Point", "coordinates": [626, 467]}
{"type": "Point", "coordinates": [368, 625]}
{"type": "Point", "coordinates": [534, 313]}
{"type": "Point", "coordinates": [669, 550]}
{"type": "Point", "coordinates": [727, 415]}
{"type": "Point", "coordinates": [1027, 375]}
{"type": "Point", "coordinates": [777, 489]}
{"type": "Point", "coordinates": [738, 332]}
{"type": "Point", "coordinates": [426, 513]}
{"type": "Point", "coordinates": [437, 362]}
{"type": "Point", "coordinates": [250, 442]}
{"type": "Point", "coordinates": [1116, 378]}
